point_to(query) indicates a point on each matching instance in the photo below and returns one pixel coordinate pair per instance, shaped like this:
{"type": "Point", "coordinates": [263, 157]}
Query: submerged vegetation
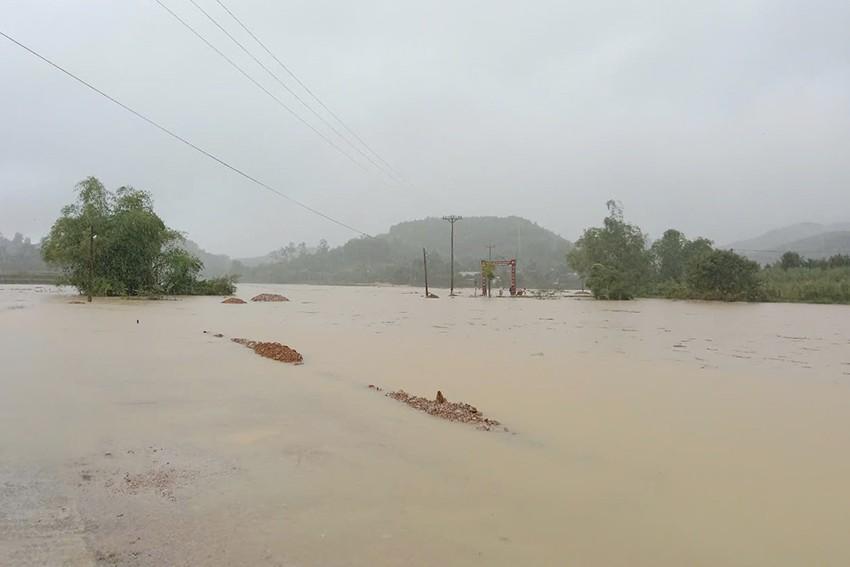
{"type": "Point", "coordinates": [113, 243]}
{"type": "Point", "coordinates": [613, 259]}
{"type": "Point", "coordinates": [615, 263]}
{"type": "Point", "coordinates": [815, 281]}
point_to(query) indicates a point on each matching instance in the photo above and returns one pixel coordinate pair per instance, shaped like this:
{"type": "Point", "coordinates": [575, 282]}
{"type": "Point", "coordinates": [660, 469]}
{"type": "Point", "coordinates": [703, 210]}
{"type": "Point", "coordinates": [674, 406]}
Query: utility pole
{"type": "Point", "coordinates": [452, 219]}
{"type": "Point", "coordinates": [91, 261]}
{"type": "Point", "coordinates": [425, 265]}
{"type": "Point", "coordinates": [490, 250]}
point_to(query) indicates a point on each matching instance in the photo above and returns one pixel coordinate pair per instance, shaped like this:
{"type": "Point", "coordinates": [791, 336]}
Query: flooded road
{"type": "Point", "coordinates": [643, 433]}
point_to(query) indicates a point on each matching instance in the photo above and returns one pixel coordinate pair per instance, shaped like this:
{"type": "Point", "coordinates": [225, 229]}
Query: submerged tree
{"type": "Point", "coordinates": [668, 253]}
{"type": "Point", "coordinates": [724, 275]}
{"type": "Point", "coordinates": [71, 241]}
{"type": "Point", "coordinates": [672, 256]}
{"type": "Point", "coordinates": [612, 260]}
{"type": "Point", "coordinates": [115, 244]}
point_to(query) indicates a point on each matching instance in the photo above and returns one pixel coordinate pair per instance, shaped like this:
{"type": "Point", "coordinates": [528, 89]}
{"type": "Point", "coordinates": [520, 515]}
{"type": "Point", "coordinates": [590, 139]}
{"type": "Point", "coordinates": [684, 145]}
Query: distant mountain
{"type": "Point", "coordinates": [511, 237]}
{"type": "Point", "coordinates": [396, 256]}
{"type": "Point", "coordinates": [822, 245]}
{"type": "Point", "coordinates": [811, 240]}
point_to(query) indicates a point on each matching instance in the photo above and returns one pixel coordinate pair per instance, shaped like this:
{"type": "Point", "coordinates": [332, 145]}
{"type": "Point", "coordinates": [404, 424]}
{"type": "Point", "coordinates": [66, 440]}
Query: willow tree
{"type": "Point", "coordinates": [72, 239]}
{"type": "Point", "coordinates": [113, 243]}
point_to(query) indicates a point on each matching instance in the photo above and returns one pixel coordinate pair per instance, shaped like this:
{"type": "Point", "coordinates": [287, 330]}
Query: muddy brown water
{"type": "Point", "coordinates": [647, 433]}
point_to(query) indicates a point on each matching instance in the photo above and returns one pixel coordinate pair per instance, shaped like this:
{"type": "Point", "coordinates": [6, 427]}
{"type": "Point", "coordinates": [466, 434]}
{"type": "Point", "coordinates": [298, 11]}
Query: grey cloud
{"type": "Point", "coordinates": [723, 118]}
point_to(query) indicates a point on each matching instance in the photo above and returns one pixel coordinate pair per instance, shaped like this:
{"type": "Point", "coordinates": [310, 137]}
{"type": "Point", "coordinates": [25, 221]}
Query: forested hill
{"type": "Point", "coordinates": [513, 237]}
{"type": "Point", "coordinates": [396, 257]}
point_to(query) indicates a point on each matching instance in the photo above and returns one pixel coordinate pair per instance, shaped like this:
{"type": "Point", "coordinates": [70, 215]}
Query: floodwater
{"type": "Point", "coordinates": [644, 433]}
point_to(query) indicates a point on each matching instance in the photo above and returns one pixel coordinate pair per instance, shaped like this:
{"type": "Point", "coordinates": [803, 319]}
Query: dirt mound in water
{"type": "Point", "coordinates": [269, 297]}
{"type": "Point", "coordinates": [441, 407]}
{"type": "Point", "coordinates": [275, 351]}
{"type": "Point", "coordinates": [234, 300]}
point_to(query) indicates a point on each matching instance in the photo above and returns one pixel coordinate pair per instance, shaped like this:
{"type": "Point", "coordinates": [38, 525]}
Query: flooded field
{"type": "Point", "coordinates": [644, 433]}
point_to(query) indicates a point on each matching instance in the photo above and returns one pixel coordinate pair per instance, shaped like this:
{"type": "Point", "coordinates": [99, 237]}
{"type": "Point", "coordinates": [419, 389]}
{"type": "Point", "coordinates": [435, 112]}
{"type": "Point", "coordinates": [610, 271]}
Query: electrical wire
{"type": "Point", "coordinates": [260, 86]}
{"type": "Point", "coordinates": [308, 90]}
{"type": "Point", "coordinates": [185, 141]}
{"type": "Point", "coordinates": [280, 81]}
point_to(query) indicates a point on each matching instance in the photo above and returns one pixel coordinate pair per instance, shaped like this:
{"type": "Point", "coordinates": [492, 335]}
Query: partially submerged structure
{"type": "Point", "coordinates": [488, 265]}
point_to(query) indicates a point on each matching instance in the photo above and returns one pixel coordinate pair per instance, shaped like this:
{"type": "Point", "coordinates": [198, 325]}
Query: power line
{"type": "Point", "coordinates": [307, 89]}
{"type": "Point", "coordinates": [381, 168]}
{"type": "Point", "coordinates": [260, 86]}
{"type": "Point", "coordinates": [184, 140]}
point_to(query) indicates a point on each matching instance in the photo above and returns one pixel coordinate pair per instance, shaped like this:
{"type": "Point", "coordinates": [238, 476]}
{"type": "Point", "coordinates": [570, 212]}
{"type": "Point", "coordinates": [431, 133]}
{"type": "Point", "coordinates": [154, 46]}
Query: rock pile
{"type": "Point", "coordinates": [233, 300]}
{"type": "Point", "coordinates": [269, 297]}
{"type": "Point", "coordinates": [275, 351]}
{"type": "Point", "coordinates": [441, 407]}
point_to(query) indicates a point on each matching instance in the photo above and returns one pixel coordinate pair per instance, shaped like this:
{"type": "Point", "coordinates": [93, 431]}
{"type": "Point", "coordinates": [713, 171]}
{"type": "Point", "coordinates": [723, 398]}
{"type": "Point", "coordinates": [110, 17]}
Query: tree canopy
{"type": "Point", "coordinates": [673, 252]}
{"type": "Point", "coordinates": [113, 243]}
{"type": "Point", "coordinates": [612, 259]}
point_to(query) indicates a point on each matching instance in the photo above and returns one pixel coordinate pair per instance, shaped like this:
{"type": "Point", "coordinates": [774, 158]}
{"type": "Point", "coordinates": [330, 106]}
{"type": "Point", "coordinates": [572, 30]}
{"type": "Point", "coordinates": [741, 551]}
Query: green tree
{"type": "Point", "coordinates": [133, 247]}
{"type": "Point", "coordinates": [72, 240]}
{"type": "Point", "coordinates": [697, 247]}
{"type": "Point", "coordinates": [668, 254]}
{"type": "Point", "coordinates": [671, 256]}
{"type": "Point", "coordinates": [177, 271]}
{"type": "Point", "coordinates": [612, 259]}
{"type": "Point", "coordinates": [115, 244]}
{"type": "Point", "coordinates": [790, 260]}
{"type": "Point", "coordinates": [724, 275]}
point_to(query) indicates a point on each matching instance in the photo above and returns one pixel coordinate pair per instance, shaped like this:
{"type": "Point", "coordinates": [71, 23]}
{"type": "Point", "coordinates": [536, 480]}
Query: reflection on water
{"type": "Point", "coordinates": [647, 433]}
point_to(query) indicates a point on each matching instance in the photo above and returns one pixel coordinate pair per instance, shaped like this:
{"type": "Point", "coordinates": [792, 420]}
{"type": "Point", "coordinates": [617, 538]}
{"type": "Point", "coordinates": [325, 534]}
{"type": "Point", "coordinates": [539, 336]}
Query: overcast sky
{"type": "Point", "coordinates": [721, 118]}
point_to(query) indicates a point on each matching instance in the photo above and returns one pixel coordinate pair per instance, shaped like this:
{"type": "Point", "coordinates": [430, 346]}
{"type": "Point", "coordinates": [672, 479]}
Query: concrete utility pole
{"type": "Point", "coordinates": [425, 265]}
{"type": "Point", "coordinates": [453, 219]}
{"type": "Point", "coordinates": [92, 236]}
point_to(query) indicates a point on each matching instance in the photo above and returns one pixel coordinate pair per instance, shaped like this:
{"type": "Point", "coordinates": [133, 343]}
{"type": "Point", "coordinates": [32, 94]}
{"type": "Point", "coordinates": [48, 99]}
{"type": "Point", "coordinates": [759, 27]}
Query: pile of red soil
{"type": "Point", "coordinates": [269, 297]}
{"type": "Point", "coordinates": [275, 351]}
{"type": "Point", "coordinates": [441, 407]}
{"type": "Point", "coordinates": [233, 300]}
